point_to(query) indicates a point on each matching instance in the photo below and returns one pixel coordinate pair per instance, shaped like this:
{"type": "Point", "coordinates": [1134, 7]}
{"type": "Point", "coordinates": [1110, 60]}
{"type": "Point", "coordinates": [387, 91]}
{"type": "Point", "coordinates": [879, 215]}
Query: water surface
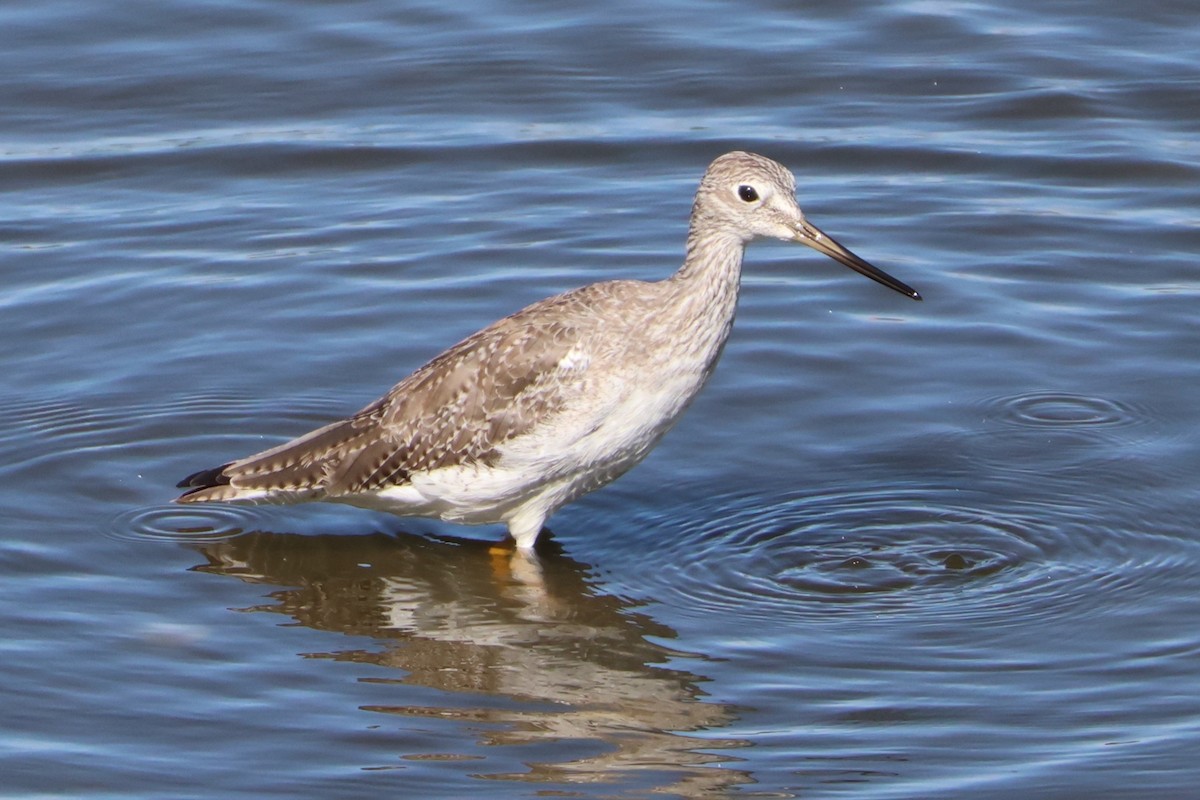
{"type": "Point", "coordinates": [895, 550]}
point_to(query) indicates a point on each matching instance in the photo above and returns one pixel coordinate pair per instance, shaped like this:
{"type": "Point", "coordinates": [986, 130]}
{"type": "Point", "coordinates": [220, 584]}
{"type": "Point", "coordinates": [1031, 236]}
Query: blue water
{"type": "Point", "coordinates": [895, 550]}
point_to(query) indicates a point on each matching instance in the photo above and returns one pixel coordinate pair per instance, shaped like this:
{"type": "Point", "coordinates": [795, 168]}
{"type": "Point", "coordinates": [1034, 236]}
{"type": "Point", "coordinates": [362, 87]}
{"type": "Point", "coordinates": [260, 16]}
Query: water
{"type": "Point", "coordinates": [895, 550]}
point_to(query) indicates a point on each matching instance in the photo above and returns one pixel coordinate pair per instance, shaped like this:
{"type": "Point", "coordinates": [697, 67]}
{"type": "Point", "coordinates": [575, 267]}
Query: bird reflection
{"type": "Point", "coordinates": [458, 616]}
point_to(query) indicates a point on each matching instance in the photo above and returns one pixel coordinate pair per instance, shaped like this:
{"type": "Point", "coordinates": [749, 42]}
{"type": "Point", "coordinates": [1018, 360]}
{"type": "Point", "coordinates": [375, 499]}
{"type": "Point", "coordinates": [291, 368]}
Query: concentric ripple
{"type": "Point", "coordinates": [118, 456]}
{"type": "Point", "coordinates": [42, 429]}
{"type": "Point", "coordinates": [177, 523]}
{"type": "Point", "coordinates": [1048, 441]}
{"type": "Point", "coordinates": [1062, 410]}
{"type": "Point", "coordinates": [797, 555]}
{"type": "Point", "coordinates": [962, 555]}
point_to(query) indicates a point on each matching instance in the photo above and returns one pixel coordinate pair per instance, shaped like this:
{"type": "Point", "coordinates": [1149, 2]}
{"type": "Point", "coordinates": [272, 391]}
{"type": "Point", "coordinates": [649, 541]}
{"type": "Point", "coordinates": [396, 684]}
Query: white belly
{"type": "Point", "coordinates": [547, 468]}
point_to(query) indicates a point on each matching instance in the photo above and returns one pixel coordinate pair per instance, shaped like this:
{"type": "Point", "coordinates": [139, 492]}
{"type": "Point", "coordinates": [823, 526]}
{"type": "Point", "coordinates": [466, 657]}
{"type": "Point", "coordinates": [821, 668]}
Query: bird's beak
{"type": "Point", "coordinates": [811, 235]}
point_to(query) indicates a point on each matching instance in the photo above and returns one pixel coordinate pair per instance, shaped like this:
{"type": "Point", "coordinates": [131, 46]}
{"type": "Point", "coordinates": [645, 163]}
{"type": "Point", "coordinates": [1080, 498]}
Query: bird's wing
{"type": "Point", "coordinates": [459, 408]}
{"type": "Point", "coordinates": [464, 405]}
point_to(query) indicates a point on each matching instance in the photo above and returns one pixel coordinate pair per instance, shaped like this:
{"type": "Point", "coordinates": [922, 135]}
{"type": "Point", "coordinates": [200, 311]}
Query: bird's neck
{"type": "Point", "coordinates": [702, 296]}
{"type": "Point", "coordinates": [712, 270]}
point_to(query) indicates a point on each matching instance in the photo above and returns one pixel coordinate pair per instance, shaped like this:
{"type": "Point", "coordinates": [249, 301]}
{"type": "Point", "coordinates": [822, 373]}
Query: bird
{"type": "Point", "coordinates": [553, 401]}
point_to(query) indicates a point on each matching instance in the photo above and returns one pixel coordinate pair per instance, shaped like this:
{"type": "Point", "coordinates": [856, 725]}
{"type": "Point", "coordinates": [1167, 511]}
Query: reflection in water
{"type": "Point", "coordinates": [459, 617]}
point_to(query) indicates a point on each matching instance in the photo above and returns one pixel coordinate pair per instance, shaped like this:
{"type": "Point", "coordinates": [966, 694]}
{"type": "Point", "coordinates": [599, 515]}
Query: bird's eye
{"type": "Point", "coordinates": [747, 193]}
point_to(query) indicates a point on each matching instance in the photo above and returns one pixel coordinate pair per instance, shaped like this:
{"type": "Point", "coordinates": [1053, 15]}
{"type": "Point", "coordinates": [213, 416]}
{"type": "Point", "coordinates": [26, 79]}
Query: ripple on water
{"type": "Point", "coordinates": [45, 428]}
{"type": "Point", "coordinates": [963, 555]}
{"type": "Point", "coordinates": [108, 452]}
{"type": "Point", "coordinates": [1048, 444]}
{"type": "Point", "coordinates": [184, 523]}
{"type": "Point", "coordinates": [1063, 410]}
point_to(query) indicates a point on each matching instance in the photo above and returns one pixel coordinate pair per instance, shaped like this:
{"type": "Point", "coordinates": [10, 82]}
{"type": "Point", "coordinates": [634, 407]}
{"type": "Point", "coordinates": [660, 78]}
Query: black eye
{"type": "Point", "coordinates": [747, 193]}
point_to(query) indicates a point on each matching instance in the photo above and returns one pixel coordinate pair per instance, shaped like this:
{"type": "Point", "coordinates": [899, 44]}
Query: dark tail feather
{"type": "Point", "coordinates": [204, 479]}
{"type": "Point", "coordinates": [292, 472]}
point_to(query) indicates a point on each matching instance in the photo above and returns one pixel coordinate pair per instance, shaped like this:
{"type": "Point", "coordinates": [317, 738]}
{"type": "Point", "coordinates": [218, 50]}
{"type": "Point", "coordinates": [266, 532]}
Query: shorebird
{"type": "Point", "coordinates": [554, 401]}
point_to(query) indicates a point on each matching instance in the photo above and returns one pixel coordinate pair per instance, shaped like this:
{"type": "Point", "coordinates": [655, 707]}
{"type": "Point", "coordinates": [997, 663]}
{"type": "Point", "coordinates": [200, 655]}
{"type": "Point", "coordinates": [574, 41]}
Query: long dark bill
{"type": "Point", "coordinates": [815, 238]}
